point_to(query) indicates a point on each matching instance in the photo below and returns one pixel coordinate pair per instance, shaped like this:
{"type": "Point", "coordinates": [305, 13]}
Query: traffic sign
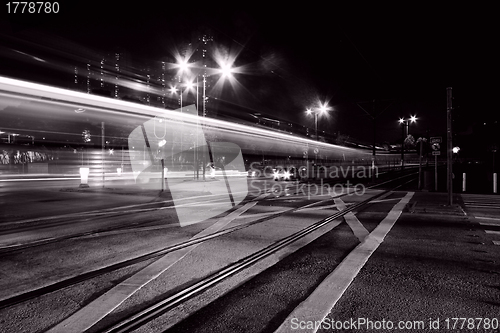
{"type": "Point", "coordinates": [316, 150]}
{"type": "Point", "coordinates": [436, 146]}
{"type": "Point", "coordinates": [436, 139]}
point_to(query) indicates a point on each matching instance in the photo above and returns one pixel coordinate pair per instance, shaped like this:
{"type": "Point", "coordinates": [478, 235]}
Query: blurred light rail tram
{"type": "Point", "coordinates": [62, 130]}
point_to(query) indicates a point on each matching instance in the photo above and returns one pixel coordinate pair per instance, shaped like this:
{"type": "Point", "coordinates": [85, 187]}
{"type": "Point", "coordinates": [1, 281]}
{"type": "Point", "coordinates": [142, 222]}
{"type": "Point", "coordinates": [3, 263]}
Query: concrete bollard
{"type": "Point", "coordinates": [84, 177]}
{"type": "Point", "coordinates": [495, 182]}
{"type": "Point", "coordinates": [463, 182]}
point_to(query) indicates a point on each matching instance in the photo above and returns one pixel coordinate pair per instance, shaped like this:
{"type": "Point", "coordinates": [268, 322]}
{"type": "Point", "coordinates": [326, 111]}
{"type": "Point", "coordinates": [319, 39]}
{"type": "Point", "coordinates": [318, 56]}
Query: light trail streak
{"type": "Point", "coordinates": [35, 91]}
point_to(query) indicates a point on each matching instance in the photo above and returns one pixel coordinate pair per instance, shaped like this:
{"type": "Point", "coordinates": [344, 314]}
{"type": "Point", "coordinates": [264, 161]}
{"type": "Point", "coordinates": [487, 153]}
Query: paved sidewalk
{"type": "Point", "coordinates": [436, 264]}
{"type": "Point", "coordinates": [435, 203]}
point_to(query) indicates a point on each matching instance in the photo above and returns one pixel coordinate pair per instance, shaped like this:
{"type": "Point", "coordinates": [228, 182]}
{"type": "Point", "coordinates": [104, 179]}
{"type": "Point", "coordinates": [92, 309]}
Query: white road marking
{"type": "Point", "coordinates": [357, 228]}
{"type": "Point", "coordinates": [321, 207]}
{"type": "Point", "coordinates": [489, 224]}
{"type": "Point", "coordinates": [319, 304]}
{"type": "Point", "coordinates": [106, 303]}
{"type": "Point", "coordinates": [487, 218]}
{"type": "Point", "coordinates": [496, 242]}
{"type": "Point", "coordinates": [383, 200]}
{"type": "Point", "coordinates": [261, 215]}
{"type": "Point", "coordinates": [485, 205]}
{"type": "Point", "coordinates": [493, 232]}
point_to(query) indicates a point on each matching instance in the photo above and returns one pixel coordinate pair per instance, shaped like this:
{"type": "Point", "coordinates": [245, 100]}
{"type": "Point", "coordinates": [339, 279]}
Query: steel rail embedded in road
{"type": "Point", "coordinates": [110, 212]}
{"type": "Point", "coordinates": [139, 319]}
{"type": "Point", "coordinates": [8, 302]}
{"type": "Point", "coordinates": [20, 298]}
{"type": "Point", "coordinates": [11, 301]}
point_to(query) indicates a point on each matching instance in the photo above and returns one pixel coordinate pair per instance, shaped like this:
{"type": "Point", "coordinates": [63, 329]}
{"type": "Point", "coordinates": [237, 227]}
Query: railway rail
{"type": "Point", "coordinates": [210, 280]}
{"type": "Point", "coordinates": [152, 312]}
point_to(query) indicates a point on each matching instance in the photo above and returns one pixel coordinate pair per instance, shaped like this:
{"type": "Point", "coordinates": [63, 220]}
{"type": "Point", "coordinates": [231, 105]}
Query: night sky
{"type": "Point", "coordinates": [403, 57]}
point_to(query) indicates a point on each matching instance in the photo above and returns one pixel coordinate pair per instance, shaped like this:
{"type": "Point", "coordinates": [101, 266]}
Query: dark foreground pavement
{"type": "Point", "coordinates": [436, 270]}
{"type": "Point", "coordinates": [436, 264]}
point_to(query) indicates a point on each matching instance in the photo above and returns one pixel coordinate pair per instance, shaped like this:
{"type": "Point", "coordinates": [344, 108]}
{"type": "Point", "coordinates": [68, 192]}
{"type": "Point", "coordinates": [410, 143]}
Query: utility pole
{"type": "Point", "coordinates": [373, 115]}
{"type": "Point", "coordinates": [449, 145]}
{"type": "Point", "coordinates": [422, 140]}
{"type": "Point", "coordinates": [102, 151]}
{"type": "Point", "coordinates": [403, 127]}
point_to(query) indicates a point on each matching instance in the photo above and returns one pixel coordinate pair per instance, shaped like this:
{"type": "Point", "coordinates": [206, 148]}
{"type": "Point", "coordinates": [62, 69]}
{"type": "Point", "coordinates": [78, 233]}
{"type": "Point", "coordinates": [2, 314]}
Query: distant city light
{"type": "Point", "coordinates": [183, 65]}
{"type": "Point", "coordinates": [413, 119]}
{"type": "Point", "coordinates": [86, 136]}
{"type": "Point", "coordinates": [189, 85]}
{"type": "Point", "coordinates": [226, 69]}
{"type": "Point", "coordinates": [324, 107]}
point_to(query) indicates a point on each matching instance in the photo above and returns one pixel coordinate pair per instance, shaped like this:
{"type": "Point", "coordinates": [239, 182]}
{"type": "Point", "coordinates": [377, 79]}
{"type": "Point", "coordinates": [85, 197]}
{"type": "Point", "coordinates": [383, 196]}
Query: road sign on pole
{"type": "Point", "coordinates": [435, 142]}
{"type": "Point", "coordinates": [436, 139]}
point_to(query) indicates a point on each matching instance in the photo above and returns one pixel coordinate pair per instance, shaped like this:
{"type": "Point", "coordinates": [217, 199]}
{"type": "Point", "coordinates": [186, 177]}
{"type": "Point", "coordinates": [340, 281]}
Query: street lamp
{"type": "Point", "coordinates": [183, 65]}
{"type": "Point", "coordinates": [226, 70]}
{"type": "Point", "coordinates": [322, 109]}
{"type": "Point", "coordinates": [405, 125]}
{"type": "Point", "coordinates": [189, 85]}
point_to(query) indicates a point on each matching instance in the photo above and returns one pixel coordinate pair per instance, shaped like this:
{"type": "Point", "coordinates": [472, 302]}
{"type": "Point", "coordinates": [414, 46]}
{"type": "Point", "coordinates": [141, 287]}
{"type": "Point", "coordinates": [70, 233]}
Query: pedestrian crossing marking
{"type": "Point", "coordinates": [357, 228]}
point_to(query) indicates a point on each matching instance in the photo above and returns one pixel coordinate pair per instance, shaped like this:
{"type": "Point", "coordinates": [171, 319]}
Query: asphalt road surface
{"type": "Point", "coordinates": [404, 257]}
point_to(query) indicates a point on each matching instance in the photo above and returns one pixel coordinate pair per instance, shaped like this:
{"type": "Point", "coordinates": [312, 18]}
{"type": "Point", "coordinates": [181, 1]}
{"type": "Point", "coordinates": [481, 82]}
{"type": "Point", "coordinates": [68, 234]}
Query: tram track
{"type": "Point", "coordinates": [87, 217]}
{"type": "Point", "coordinates": [226, 272]}
{"type": "Point", "coordinates": [8, 302]}
{"type": "Point", "coordinates": [114, 212]}
{"type": "Point", "coordinates": [152, 312]}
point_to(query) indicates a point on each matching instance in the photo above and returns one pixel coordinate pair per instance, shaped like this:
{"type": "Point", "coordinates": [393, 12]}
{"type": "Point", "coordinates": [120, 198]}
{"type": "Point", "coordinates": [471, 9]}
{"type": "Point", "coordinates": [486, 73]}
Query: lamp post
{"type": "Point", "coordinates": [183, 66]}
{"type": "Point", "coordinates": [225, 70]}
{"type": "Point", "coordinates": [405, 125]}
{"type": "Point", "coordinates": [323, 109]}
{"type": "Point", "coordinates": [188, 86]}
